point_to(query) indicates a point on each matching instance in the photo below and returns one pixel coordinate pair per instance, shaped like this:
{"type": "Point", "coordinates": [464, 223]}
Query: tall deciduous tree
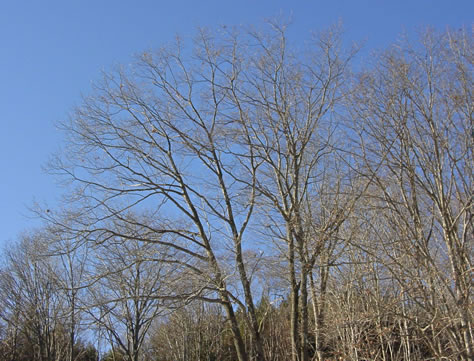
{"type": "Point", "coordinates": [289, 100]}
{"type": "Point", "coordinates": [193, 137]}
{"type": "Point", "coordinates": [413, 113]}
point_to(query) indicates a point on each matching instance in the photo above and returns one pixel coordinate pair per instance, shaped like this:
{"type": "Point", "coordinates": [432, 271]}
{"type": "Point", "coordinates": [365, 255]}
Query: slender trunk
{"type": "Point", "coordinates": [294, 322]}
{"type": "Point", "coordinates": [319, 309]}
{"type": "Point", "coordinates": [404, 330]}
{"type": "Point", "coordinates": [72, 334]}
{"type": "Point", "coordinates": [294, 297]}
{"type": "Point", "coordinates": [462, 291]}
{"type": "Point", "coordinates": [304, 314]}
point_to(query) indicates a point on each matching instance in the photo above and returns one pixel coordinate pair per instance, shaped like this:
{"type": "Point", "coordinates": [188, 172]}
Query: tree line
{"type": "Point", "coordinates": [242, 198]}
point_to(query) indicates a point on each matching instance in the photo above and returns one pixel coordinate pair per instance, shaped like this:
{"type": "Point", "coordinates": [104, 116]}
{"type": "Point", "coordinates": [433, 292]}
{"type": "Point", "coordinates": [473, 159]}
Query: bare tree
{"type": "Point", "coordinates": [160, 137]}
{"type": "Point", "coordinates": [183, 134]}
{"type": "Point", "coordinates": [414, 116]}
{"type": "Point", "coordinates": [128, 293]}
{"type": "Point", "coordinates": [31, 302]}
{"type": "Point", "coordinates": [72, 279]}
{"type": "Point", "coordinates": [291, 99]}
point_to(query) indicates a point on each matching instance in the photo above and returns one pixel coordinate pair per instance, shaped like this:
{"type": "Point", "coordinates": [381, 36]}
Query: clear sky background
{"type": "Point", "coordinates": [51, 51]}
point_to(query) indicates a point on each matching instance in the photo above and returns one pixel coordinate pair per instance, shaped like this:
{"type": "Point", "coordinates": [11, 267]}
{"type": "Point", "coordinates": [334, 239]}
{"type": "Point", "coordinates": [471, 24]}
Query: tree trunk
{"type": "Point", "coordinates": [304, 314]}
{"type": "Point", "coordinates": [294, 296]}
{"type": "Point", "coordinates": [236, 334]}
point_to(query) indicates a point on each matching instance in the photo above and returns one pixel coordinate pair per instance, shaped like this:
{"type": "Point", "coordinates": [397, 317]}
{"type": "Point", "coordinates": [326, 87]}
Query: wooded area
{"type": "Point", "coordinates": [240, 198]}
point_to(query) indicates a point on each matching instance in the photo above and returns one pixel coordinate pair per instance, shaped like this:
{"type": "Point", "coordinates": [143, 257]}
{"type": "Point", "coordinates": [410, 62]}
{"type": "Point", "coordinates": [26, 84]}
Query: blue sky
{"type": "Point", "coordinates": [51, 51]}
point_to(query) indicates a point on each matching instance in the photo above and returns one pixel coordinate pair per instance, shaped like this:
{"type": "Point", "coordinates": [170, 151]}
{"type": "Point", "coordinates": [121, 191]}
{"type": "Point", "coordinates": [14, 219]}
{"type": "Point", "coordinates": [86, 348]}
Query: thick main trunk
{"type": "Point", "coordinates": [254, 329]}
{"type": "Point", "coordinates": [236, 334]}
